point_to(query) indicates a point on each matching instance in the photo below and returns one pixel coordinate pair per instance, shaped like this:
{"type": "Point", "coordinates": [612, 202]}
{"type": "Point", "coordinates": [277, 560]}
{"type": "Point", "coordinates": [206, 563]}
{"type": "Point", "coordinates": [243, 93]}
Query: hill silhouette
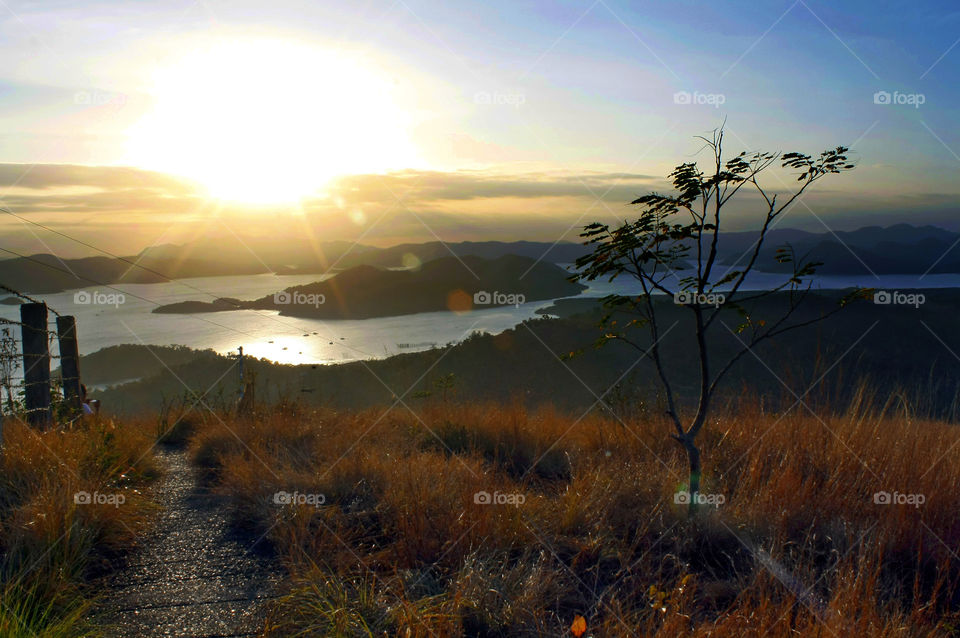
{"type": "Point", "coordinates": [863, 341]}
{"type": "Point", "coordinates": [899, 249]}
{"type": "Point", "coordinates": [447, 283]}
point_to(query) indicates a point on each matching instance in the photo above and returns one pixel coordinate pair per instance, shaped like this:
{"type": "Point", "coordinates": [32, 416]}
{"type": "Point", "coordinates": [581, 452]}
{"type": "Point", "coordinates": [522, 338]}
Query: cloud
{"type": "Point", "coordinates": [123, 200]}
{"type": "Point", "coordinates": [128, 208]}
{"type": "Point", "coordinates": [49, 176]}
{"type": "Point", "coordinates": [103, 192]}
{"type": "Point", "coordinates": [435, 186]}
{"type": "Point", "coordinates": [108, 188]}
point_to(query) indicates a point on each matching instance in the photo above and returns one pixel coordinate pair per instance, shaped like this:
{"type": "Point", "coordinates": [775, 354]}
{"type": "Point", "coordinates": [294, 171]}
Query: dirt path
{"type": "Point", "coordinates": [193, 576]}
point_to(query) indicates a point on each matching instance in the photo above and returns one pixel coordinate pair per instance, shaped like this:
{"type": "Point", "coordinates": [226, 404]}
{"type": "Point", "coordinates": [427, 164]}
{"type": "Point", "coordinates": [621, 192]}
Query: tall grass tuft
{"type": "Point", "coordinates": [52, 542]}
{"type": "Point", "coordinates": [582, 519]}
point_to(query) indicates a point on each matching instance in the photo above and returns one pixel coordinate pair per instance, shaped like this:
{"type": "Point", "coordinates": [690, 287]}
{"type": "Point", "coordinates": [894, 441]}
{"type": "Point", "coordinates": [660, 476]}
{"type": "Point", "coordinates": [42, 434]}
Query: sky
{"type": "Point", "coordinates": [133, 124]}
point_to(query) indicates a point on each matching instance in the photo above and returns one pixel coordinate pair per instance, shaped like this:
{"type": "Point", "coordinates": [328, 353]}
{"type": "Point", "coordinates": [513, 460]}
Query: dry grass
{"type": "Point", "coordinates": [401, 548]}
{"type": "Point", "coordinates": [50, 545]}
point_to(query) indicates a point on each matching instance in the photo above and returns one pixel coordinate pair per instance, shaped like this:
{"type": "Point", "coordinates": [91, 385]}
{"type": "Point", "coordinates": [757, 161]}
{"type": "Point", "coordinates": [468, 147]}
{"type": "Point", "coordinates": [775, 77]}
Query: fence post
{"type": "Point", "coordinates": [69, 361]}
{"type": "Point", "coordinates": [36, 362]}
{"type": "Point", "coordinates": [240, 366]}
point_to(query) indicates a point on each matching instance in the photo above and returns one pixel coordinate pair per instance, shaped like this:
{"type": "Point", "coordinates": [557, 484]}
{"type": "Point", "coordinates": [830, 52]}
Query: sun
{"type": "Point", "coordinates": [270, 121]}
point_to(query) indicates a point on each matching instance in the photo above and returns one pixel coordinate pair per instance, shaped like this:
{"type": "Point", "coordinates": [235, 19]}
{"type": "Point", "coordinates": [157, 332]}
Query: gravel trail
{"type": "Point", "coordinates": [194, 575]}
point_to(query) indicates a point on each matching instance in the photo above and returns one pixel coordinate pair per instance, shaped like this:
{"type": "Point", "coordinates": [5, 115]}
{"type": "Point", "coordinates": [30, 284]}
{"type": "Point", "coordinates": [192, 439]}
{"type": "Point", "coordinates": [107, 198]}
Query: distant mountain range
{"type": "Point", "coordinates": [447, 283]}
{"type": "Point", "coordinates": [899, 249]}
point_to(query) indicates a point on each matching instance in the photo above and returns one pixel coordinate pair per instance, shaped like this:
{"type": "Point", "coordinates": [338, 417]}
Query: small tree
{"type": "Point", "coordinates": [682, 231]}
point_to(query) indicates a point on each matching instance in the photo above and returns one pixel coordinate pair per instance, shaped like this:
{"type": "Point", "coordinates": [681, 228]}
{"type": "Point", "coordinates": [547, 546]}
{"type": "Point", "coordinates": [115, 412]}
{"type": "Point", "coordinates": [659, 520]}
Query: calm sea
{"type": "Point", "coordinates": [289, 340]}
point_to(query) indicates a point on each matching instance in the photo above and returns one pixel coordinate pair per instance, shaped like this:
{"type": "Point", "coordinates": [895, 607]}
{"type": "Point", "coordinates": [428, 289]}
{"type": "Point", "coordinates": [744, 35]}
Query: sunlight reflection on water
{"type": "Point", "coordinates": [293, 340]}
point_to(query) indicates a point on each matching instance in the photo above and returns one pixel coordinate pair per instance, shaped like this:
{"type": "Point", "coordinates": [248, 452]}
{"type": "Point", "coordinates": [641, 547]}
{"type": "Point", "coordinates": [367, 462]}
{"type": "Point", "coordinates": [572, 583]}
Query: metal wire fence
{"type": "Point", "coordinates": [13, 383]}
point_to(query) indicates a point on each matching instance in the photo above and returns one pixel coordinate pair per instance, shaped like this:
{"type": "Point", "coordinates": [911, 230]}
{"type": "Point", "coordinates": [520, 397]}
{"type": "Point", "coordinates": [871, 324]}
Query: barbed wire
{"type": "Point", "coordinates": [11, 322]}
{"type": "Point", "coordinates": [123, 292]}
{"type": "Point", "coordinates": [12, 359]}
{"type": "Point", "coordinates": [11, 366]}
{"type": "Point", "coordinates": [136, 264]}
{"type": "Point", "coordinates": [51, 334]}
{"type": "Point", "coordinates": [24, 296]}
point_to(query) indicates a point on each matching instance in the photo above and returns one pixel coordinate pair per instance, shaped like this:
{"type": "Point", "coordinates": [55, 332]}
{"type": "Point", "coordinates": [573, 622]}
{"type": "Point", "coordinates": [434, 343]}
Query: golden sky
{"type": "Point", "coordinates": [385, 122]}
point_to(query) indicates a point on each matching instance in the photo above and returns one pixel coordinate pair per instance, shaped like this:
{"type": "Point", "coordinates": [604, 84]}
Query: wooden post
{"type": "Point", "coordinates": [240, 366]}
{"type": "Point", "coordinates": [69, 362]}
{"type": "Point", "coordinates": [36, 362]}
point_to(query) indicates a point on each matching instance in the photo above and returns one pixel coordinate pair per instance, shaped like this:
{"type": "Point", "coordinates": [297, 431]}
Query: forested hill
{"type": "Point", "coordinates": [898, 249]}
{"type": "Point", "coordinates": [448, 283]}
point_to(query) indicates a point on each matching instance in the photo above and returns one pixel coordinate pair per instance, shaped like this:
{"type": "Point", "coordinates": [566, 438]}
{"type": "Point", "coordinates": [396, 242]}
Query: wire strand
{"type": "Point", "coordinates": [123, 292]}
{"type": "Point", "coordinates": [150, 270]}
{"type": "Point", "coordinates": [27, 297]}
{"type": "Point", "coordinates": [107, 252]}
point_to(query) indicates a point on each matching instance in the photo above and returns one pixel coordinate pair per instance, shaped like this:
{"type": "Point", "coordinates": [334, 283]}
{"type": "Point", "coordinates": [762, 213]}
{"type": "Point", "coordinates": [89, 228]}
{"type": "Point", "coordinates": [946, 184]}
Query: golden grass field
{"type": "Point", "coordinates": [51, 546]}
{"type": "Point", "coordinates": [400, 547]}
{"type": "Point", "coordinates": [591, 529]}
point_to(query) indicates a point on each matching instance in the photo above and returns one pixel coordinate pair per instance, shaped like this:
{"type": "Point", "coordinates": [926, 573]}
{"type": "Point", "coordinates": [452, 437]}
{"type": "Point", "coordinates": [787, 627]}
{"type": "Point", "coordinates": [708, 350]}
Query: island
{"type": "Point", "coordinates": [446, 284]}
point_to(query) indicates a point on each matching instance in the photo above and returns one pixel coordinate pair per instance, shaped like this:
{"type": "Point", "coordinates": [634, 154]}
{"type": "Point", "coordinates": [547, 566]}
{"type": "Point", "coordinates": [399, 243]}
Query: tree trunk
{"type": "Point", "coordinates": [693, 456]}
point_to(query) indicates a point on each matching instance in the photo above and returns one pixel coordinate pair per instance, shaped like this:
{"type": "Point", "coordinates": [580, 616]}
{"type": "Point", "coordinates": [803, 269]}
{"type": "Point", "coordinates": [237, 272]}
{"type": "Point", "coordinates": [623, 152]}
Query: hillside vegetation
{"type": "Point", "coordinates": [898, 249]}
{"type": "Point", "coordinates": [531, 363]}
{"type": "Point", "coordinates": [448, 283]}
{"type": "Point", "coordinates": [383, 521]}
{"type": "Point", "coordinates": [449, 518]}
{"type": "Point", "coordinates": [72, 501]}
